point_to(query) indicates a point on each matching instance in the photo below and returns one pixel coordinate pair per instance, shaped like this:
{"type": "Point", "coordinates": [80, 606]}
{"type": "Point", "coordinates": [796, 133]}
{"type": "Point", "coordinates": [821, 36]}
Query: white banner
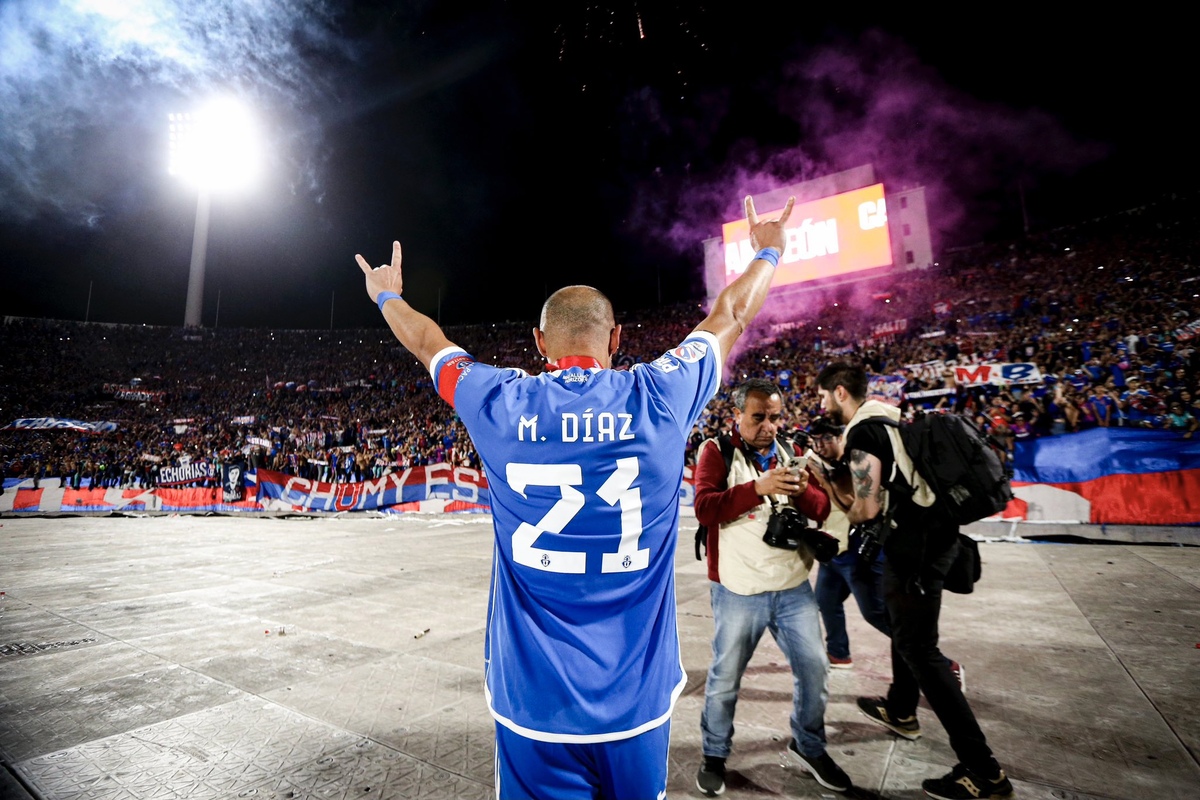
{"type": "Point", "coordinates": [997, 374]}
{"type": "Point", "coordinates": [189, 473]}
{"type": "Point", "coordinates": [58, 423]}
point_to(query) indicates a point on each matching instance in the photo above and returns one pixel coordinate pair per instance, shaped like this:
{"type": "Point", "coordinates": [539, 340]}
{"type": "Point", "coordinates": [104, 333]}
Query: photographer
{"type": "Point", "coordinates": [760, 551]}
{"type": "Point", "coordinates": [844, 574]}
{"type": "Point", "coordinates": [918, 550]}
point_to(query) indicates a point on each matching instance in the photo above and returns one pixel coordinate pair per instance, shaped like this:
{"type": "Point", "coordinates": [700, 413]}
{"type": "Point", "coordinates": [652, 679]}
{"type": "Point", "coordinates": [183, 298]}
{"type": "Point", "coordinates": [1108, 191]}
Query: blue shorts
{"type": "Point", "coordinates": [527, 769]}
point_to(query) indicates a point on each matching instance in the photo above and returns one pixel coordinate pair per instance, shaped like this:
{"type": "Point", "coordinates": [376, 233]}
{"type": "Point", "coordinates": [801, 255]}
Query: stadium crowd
{"type": "Point", "coordinates": [1107, 310]}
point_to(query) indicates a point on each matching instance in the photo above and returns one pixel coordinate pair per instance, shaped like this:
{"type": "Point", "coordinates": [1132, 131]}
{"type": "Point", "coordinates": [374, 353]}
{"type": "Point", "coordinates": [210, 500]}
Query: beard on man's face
{"type": "Point", "coordinates": [835, 415]}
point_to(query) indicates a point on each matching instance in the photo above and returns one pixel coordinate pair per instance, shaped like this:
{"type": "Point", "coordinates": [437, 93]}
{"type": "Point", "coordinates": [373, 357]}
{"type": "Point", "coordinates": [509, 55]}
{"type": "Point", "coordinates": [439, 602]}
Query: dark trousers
{"type": "Point", "coordinates": [918, 666]}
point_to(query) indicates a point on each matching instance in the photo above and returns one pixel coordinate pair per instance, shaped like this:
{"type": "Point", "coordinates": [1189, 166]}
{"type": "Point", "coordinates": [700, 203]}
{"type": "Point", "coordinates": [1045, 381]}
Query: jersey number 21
{"type": "Point", "coordinates": [618, 488]}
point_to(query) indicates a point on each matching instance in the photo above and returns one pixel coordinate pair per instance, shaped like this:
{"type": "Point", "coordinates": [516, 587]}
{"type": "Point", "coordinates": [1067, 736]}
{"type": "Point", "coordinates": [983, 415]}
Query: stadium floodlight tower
{"type": "Point", "coordinates": [215, 149]}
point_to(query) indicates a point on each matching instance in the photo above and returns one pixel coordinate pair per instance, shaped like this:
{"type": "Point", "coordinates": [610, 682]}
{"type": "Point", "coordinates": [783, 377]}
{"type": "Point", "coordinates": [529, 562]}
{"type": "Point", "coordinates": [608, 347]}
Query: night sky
{"type": "Point", "coordinates": [517, 147]}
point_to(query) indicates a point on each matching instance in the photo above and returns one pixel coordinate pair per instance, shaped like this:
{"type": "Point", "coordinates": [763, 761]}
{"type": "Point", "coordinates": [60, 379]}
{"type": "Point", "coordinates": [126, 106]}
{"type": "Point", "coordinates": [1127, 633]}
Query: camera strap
{"type": "Point", "coordinates": [782, 446]}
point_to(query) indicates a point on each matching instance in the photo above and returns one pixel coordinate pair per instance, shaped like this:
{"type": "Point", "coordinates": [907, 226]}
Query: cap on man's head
{"type": "Point", "coordinates": [824, 426]}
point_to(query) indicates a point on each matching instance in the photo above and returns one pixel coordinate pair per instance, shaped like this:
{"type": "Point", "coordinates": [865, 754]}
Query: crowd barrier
{"type": "Point", "coordinates": [1101, 476]}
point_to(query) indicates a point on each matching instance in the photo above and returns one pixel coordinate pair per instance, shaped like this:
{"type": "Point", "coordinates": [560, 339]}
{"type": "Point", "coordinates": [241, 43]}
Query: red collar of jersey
{"type": "Point", "coordinates": [566, 362]}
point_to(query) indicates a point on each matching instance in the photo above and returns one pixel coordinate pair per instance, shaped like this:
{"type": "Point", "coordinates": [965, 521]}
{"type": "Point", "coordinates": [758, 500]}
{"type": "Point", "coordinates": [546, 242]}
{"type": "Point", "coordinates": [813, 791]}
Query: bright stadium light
{"type": "Point", "coordinates": [216, 149]}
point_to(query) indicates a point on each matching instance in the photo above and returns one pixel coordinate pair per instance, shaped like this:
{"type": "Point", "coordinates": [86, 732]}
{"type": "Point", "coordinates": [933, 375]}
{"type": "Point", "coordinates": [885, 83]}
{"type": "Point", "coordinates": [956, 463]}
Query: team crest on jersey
{"type": "Point", "coordinates": [690, 352]}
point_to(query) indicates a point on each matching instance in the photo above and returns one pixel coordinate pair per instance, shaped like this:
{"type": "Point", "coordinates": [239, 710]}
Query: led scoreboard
{"type": "Point", "coordinates": [835, 235]}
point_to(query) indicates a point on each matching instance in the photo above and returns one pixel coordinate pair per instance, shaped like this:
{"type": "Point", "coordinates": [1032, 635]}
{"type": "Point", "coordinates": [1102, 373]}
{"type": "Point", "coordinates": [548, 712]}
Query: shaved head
{"type": "Point", "coordinates": [577, 313]}
{"type": "Point", "coordinates": [578, 320]}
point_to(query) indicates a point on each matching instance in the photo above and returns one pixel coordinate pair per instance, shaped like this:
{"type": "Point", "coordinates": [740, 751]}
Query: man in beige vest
{"type": "Point", "coordinates": [756, 586]}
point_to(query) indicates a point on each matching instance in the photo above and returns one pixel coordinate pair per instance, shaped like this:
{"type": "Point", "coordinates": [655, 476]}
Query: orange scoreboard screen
{"type": "Point", "coordinates": [835, 235]}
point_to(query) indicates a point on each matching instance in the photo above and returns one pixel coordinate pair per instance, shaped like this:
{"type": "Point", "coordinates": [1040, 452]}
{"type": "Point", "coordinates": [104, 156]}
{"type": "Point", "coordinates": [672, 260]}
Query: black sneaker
{"type": "Point", "coordinates": [963, 784]}
{"type": "Point", "coordinates": [711, 777]}
{"type": "Point", "coordinates": [821, 767]}
{"type": "Point", "coordinates": [876, 710]}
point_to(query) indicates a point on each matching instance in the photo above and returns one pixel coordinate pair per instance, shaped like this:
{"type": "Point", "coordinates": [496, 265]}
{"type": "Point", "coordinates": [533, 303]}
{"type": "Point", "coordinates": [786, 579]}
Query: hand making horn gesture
{"type": "Point", "coordinates": [770, 232]}
{"type": "Point", "coordinates": [386, 278]}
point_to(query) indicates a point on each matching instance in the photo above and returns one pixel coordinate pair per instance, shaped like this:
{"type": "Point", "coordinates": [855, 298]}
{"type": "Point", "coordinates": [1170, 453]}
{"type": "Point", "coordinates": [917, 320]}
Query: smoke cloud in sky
{"type": "Point", "coordinates": [86, 86]}
{"type": "Point", "coordinates": [872, 101]}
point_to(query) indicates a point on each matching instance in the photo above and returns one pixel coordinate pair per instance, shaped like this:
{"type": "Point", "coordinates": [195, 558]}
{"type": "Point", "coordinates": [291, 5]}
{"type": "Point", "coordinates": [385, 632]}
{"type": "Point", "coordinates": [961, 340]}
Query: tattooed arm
{"type": "Point", "coordinates": [866, 472]}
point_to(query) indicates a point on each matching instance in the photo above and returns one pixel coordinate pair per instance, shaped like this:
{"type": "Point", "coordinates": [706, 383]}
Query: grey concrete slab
{"type": "Point", "coordinates": [44, 723]}
{"type": "Point", "coordinates": [197, 657]}
{"type": "Point", "coordinates": [26, 624]}
{"type": "Point", "coordinates": [258, 657]}
{"type": "Point", "coordinates": [381, 698]}
{"type": "Point", "coordinates": [72, 666]}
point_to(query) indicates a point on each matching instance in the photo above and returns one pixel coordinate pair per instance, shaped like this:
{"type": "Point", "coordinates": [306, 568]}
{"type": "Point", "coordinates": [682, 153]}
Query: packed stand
{"type": "Point", "coordinates": [1107, 310]}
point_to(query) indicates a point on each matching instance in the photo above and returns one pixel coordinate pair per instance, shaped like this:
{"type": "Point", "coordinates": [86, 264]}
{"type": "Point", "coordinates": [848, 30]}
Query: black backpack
{"type": "Point", "coordinates": [969, 475]}
{"type": "Point", "coordinates": [965, 468]}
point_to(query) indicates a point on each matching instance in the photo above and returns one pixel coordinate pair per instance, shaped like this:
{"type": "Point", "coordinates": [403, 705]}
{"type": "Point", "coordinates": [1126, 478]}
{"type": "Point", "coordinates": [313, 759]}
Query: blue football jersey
{"type": "Point", "coordinates": [584, 467]}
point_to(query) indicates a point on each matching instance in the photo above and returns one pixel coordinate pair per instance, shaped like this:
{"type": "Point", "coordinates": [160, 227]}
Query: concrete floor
{"type": "Point", "coordinates": [214, 657]}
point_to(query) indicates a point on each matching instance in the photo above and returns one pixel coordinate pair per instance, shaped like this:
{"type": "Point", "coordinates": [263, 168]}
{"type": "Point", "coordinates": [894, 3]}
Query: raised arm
{"type": "Point", "coordinates": [739, 302]}
{"type": "Point", "coordinates": [420, 334]}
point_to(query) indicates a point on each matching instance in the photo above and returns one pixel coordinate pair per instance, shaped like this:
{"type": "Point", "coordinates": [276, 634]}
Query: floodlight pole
{"type": "Point", "coordinates": [195, 293]}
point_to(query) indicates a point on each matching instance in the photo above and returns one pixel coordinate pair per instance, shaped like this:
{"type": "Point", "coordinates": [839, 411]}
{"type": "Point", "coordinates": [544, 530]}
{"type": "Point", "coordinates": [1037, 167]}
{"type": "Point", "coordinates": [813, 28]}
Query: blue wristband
{"type": "Point", "coordinates": [768, 254]}
{"type": "Point", "coordinates": [384, 297]}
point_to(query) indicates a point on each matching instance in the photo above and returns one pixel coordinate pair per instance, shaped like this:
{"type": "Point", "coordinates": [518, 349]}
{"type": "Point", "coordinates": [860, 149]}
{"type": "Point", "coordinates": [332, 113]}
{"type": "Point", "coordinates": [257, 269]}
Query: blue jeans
{"type": "Point", "coordinates": [738, 625]}
{"type": "Point", "coordinates": [837, 579]}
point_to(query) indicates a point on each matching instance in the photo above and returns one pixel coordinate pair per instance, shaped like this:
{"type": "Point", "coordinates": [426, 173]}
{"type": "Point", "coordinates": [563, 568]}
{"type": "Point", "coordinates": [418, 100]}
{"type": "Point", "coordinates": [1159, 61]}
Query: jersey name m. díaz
{"type": "Point", "coordinates": [584, 466]}
{"type": "Point", "coordinates": [588, 427]}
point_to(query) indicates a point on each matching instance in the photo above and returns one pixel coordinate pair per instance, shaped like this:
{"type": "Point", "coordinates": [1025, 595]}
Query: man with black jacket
{"type": "Point", "coordinates": [844, 574]}
{"type": "Point", "coordinates": [918, 551]}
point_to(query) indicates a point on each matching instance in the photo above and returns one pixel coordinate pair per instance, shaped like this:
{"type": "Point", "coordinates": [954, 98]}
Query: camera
{"type": "Point", "coordinates": [839, 472]}
{"type": "Point", "coordinates": [785, 528]}
{"type": "Point", "coordinates": [871, 535]}
{"type": "Point", "coordinates": [788, 529]}
{"type": "Point", "coordinates": [822, 545]}
{"type": "Point", "coordinates": [868, 548]}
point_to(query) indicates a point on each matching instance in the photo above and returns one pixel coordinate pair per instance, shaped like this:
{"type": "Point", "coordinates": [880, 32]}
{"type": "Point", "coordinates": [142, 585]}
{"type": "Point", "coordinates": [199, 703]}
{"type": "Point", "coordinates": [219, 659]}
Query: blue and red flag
{"type": "Point", "coordinates": [1126, 476]}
